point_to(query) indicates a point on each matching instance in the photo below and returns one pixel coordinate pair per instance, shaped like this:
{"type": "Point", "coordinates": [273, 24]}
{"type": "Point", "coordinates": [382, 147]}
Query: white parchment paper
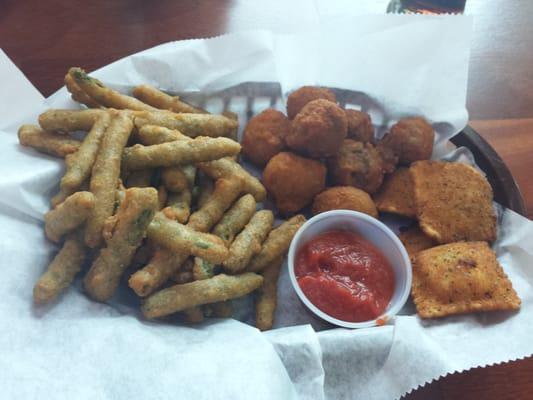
{"type": "Point", "coordinates": [401, 65]}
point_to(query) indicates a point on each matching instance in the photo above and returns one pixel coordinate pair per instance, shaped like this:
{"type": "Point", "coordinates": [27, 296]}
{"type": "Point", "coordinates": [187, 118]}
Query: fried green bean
{"type": "Point", "coordinates": [226, 168]}
{"type": "Point", "coordinates": [158, 99]}
{"type": "Point", "coordinates": [61, 271]}
{"type": "Point", "coordinates": [79, 164]}
{"type": "Point", "coordinates": [235, 219]}
{"type": "Point", "coordinates": [174, 179]}
{"type": "Point", "coordinates": [105, 175]}
{"type": "Point", "coordinates": [104, 95]}
{"type": "Point", "coordinates": [133, 217]}
{"type": "Point", "coordinates": [276, 244]}
{"type": "Point", "coordinates": [202, 269]}
{"type": "Point", "coordinates": [183, 240]}
{"type": "Point", "coordinates": [178, 206]}
{"type": "Point", "coordinates": [248, 242]}
{"type": "Point", "coordinates": [267, 296]}
{"type": "Point", "coordinates": [181, 297]}
{"type": "Point", "coordinates": [225, 193]}
{"type": "Point", "coordinates": [52, 143]}
{"type": "Point", "coordinates": [161, 267]}
{"type": "Point", "coordinates": [189, 124]}
{"type": "Point", "coordinates": [179, 152]}
{"type": "Point", "coordinates": [69, 120]}
{"type": "Point", "coordinates": [68, 215]}
{"type": "Point", "coordinates": [79, 95]}
{"type": "Point", "coordinates": [152, 134]}
{"type": "Point", "coordinates": [140, 178]}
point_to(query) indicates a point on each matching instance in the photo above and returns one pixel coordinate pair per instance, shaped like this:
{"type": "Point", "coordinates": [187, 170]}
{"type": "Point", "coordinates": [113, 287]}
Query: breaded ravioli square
{"type": "Point", "coordinates": [415, 240]}
{"type": "Point", "coordinates": [453, 202]}
{"type": "Point", "coordinates": [458, 278]}
{"type": "Point", "coordinates": [397, 194]}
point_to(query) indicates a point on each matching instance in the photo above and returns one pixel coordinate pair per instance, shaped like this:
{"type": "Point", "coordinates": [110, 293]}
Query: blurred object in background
{"type": "Point", "coordinates": [426, 6]}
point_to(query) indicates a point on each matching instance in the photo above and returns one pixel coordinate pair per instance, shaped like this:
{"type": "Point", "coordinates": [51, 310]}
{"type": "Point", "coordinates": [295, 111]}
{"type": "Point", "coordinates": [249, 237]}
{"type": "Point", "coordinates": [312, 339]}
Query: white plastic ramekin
{"type": "Point", "coordinates": [375, 232]}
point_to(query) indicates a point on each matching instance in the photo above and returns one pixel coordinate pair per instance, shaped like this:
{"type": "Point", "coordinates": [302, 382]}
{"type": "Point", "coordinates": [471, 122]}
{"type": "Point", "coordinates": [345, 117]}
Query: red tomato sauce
{"type": "Point", "coordinates": [345, 276]}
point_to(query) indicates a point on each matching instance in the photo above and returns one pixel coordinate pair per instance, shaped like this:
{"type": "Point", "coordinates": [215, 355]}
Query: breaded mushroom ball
{"type": "Point", "coordinates": [359, 126]}
{"type": "Point", "coordinates": [299, 98]}
{"type": "Point", "coordinates": [263, 136]}
{"type": "Point", "coordinates": [344, 198]}
{"type": "Point", "coordinates": [357, 164]}
{"type": "Point", "coordinates": [318, 130]}
{"type": "Point", "coordinates": [293, 181]}
{"type": "Point", "coordinates": [411, 139]}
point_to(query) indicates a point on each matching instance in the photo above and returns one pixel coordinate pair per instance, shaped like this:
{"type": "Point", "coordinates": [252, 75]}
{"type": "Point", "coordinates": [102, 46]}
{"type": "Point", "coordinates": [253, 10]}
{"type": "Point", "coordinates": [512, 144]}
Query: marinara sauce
{"type": "Point", "coordinates": [345, 276]}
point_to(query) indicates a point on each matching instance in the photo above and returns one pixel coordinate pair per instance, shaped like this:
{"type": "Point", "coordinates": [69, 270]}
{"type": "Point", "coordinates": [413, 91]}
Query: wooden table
{"type": "Point", "coordinates": [44, 38]}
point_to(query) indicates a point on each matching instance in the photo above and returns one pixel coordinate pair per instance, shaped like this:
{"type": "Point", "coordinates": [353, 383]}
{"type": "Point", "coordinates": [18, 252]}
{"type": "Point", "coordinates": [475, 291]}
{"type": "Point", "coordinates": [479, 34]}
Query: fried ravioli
{"type": "Point", "coordinates": [415, 240]}
{"type": "Point", "coordinates": [397, 195]}
{"type": "Point", "coordinates": [459, 278]}
{"type": "Point", "coordinates": [453, 202]}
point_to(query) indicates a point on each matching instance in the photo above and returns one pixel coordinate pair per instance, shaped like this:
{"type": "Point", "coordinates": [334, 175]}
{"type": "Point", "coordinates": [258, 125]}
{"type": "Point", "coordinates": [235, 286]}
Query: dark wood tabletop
{"type": "Point", "coordinates": [44, 38]}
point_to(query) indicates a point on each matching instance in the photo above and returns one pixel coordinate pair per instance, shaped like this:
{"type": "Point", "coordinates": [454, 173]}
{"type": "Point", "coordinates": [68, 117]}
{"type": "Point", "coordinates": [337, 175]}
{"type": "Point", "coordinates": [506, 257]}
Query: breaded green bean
{"type": "Point", "coordinates": [235, 219]}
{"type": "Point", "coordinates": [133, 217]}
{"type": "Point", "coordinates": [80, 164]}
{"type": "Point", "coordinates": [248, 242]}
{"type": "Point", "coordinates": [104, 95]}
{"type": "Point", "coordinates": [68, 215]}
{"type": "Point", "coordinates": [202, 269]}
{"type": "Point", "coordinates": [276, 244]}
{"type": "Point", "coordinates": [192, 125]}
{"type": "Point", "coordinates": [267, 296]}
{"type": "Point", "coordinates": [158, 99]}
{"type": "Point", "coordinates": [105, 175]}
{"type": "Point", "coordinates": [79, 95]}
{"type": "Point", "coordinates": [174, 179]}
{"type": "Point", "coordinates": [152, 134]}
{"type": "Point", "coordinates": [61, 271]}
{"type": "Point", "coordinates": [226, 167]}
{"type": "Point", "coordinates": [225, 193]}
{"type": "Point", "coordinates": [140, 178]}
{"type": "Point", "coordinates": [181, 297]}
{"type": "Point", "coordinates": [184, 273]}
{"type": "Point", "coordinates": [179, 152]}
{"type": "Point", "coordinates": [183, 240]}
{"type": "Point", "coordinates": [161, 267]}
{"type": "Point", "coordinates": [69, 120]}
{"type": "Point", "coordinates": [178, 206]}
{"type": "Point", "coordinates": [52, 143]}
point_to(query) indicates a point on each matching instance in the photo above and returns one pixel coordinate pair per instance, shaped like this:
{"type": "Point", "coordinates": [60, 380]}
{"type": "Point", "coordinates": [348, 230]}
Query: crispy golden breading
{"type": "Point", "coordinates": [293, 181]}
{"type": "Point", "coordinates": [263, 136]}
{"type": "Point", "coordinates": [68, 215]}
{"type": "Point", "coordinates": [69, 120]}
{"type": "Point", "coordinates": [357, 164]}
{"type": "Point", "coordinates": [344, 198]}
{"type": "Point", "coordinates": [411, 139]}
{"type": "Point", "coordinates": [299, 98]}
{"type": "Point", "coordinates": [397, 194]}
{"type": "Point", "coordinates": [460, 278]}
{"type": "Point", "coordinates": [359, 125]}
{"type": "Point", "coordinates": [267, 296]}
{"type": "Point", "coordinates": [158, 99]}
{"type": "Point", "coordinates": [53, 143]}
{"type": "Point", "coordinates": [318, 130]}
{"type": "Point", "coordinates": [415, 240]}
{"type": "Point", "coordinates": [453, 202]}
{"type": "Point", "coordinates": [181, 297]}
